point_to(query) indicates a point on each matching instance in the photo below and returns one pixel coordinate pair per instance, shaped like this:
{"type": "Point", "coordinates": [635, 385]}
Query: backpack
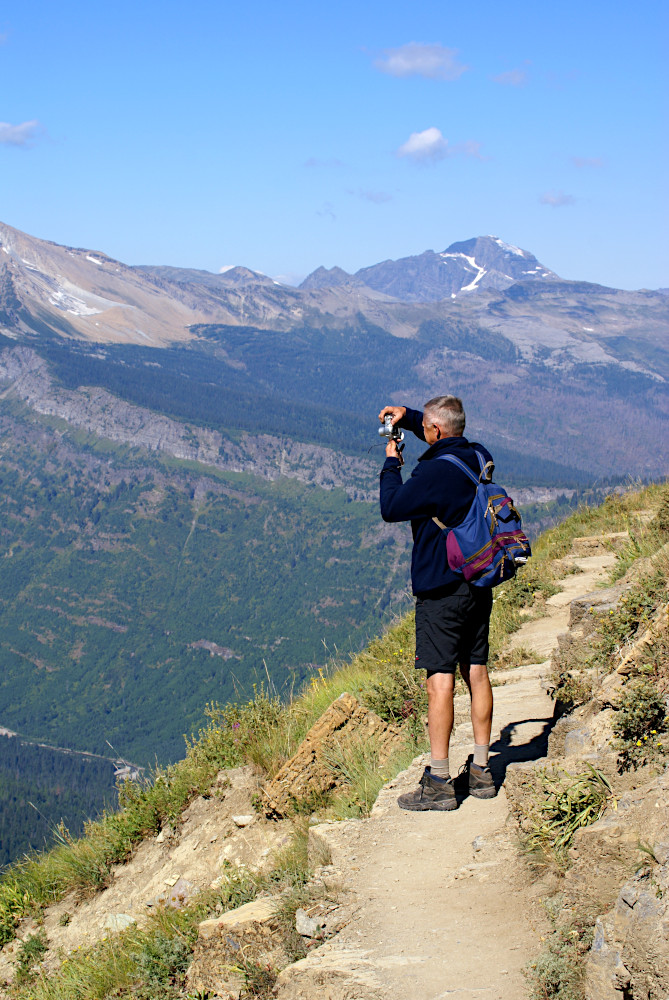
{"type": "Point", "coordinates": [489, 544]}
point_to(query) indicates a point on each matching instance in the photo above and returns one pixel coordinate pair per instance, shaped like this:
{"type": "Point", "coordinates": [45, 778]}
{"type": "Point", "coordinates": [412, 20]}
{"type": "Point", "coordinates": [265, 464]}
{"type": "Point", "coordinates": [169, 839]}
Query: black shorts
{"type": "Point", "coordinates": [452, 627]}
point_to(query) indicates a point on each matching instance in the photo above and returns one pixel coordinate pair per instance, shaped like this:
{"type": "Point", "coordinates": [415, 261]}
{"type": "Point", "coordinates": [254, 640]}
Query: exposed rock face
{"type": "Point", "coordinates": [485, 262]}
{"type": "Point", "coordinates": [630, 955]}
{"type": "Point", "coordinates": [307, 774]}
{"type": "Point", "coordinates": [107, 416]}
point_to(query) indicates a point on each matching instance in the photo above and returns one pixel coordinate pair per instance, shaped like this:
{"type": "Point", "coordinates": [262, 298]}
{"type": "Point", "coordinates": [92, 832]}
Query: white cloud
{"type": "Point", "coordinates": [469, 148]}
{"type": "Point", "coordinates": [557, 199]}
{"type": "Point", "coordinates": [587, 161]}
{"type": "Point", "coordinates": [425, 146]}
{"type": "Point", "coordinates": [417, 59]}
{"type": "Point", "coordinates": [24, 134]}
{"type": "Point", "coordinates": [512, 78]}
{"type": "Point", "coordinates": [429, 146]}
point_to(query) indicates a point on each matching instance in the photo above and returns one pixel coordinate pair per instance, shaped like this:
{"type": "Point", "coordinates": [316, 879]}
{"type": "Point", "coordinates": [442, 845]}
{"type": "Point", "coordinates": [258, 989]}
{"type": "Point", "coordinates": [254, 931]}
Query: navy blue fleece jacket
{"type": "Point", "coordinates": [434, 489]}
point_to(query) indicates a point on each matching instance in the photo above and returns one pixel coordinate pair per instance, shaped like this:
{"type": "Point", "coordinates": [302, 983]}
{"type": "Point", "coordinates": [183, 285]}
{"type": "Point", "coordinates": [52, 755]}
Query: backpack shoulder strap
{"type": "Point", "coordinates": [487, 468]}
{"type": "Point", "coordinates": [461, 465]}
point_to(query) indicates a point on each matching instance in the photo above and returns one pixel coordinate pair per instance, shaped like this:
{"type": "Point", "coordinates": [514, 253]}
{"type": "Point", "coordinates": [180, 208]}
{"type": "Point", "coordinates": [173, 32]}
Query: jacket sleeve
{"type": "Point", "coordinates": [403, 501]}
{"type": "Point", "coordinates": [413, 421]}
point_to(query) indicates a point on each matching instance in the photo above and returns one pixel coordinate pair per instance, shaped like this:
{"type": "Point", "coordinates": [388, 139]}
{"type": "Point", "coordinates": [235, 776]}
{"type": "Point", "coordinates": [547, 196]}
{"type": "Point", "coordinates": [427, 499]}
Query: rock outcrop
{"type": "Point", "coordinates": [310, 774]}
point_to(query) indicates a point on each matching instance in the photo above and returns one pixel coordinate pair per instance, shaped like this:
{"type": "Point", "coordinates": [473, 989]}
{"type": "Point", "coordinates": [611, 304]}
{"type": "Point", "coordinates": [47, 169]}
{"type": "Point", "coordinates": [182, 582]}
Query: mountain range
{"type": "Point", "coordinates": [565, 371]}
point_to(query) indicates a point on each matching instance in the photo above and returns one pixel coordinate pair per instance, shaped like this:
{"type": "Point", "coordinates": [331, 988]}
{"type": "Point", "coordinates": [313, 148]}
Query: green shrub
{"type": "Point", "coordinates": [641, 717]}
{"type": "Point", "coordinates": [162, 958]}
{"type": "Point", "coordinates": [399, 696]}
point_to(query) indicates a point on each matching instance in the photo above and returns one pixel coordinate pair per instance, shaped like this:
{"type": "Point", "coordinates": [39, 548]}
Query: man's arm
{"type": "Point", "coordinates": [415, 498]}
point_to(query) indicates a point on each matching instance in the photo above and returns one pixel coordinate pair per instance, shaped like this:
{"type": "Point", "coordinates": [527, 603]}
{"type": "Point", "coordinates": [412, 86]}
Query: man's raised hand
{"type": "Point", "coordinates": [396, 412]}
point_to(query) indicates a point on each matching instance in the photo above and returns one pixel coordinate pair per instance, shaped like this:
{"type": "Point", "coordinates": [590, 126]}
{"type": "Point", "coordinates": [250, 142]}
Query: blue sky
{"type": "Point", "coordinates": [285, 136]}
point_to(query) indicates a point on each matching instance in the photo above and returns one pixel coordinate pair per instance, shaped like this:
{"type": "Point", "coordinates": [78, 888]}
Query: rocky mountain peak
{"type": "Point", "coordinates": [326, 277]}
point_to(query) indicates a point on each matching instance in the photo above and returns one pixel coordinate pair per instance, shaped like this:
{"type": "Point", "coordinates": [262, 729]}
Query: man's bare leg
{"type": "Point", "coordinates": [440, 713]}
{"type": "Point", "coordinates": [476, 678]}
{"type": "Point", "coordinates": [436, 790]}
{"type": "Point", "coordinates": [481, 784]}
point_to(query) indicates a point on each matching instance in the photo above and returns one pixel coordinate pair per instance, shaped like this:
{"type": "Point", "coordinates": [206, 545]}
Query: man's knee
{"type": "Point", "coordinates": [477, 672]}
{"type": "Point", "coordinates": [440, 683]}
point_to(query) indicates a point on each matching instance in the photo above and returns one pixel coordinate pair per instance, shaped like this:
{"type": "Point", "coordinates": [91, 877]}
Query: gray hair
{"type": "Point", "coordinates": [448, 412]}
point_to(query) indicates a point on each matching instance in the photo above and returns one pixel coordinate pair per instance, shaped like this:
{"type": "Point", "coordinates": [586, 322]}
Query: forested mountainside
{"type": "Point", "coordinates": [135, 591]}
{"type": "Point", "coordinates": [42, 788]}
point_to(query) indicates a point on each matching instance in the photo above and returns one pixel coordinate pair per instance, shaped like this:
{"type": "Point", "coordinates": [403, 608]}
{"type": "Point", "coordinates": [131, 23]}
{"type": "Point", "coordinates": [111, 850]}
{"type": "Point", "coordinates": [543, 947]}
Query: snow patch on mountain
{"type": "Point", "coordinates": [72, 304]}
{"type": "Point", "coordinates": [509, 247]}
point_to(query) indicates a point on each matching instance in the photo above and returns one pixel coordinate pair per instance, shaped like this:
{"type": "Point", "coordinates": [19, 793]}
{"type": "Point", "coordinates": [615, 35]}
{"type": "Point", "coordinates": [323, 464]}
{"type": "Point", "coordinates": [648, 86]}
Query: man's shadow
{"type": "Point", "coordinates": [506, 753]}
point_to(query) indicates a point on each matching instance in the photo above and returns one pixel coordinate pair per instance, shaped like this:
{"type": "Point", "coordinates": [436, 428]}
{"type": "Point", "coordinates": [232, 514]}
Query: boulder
{"type": "Point", "coordinates": [331, 973]}
{"type": "Point", "coordinates": [307, 775]}
{"type": "Point", "coordinates": [226, 945]}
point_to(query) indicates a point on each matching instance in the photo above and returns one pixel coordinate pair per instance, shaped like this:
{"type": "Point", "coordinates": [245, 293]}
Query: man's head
{"type": "Point", "coordinates": [443, 416]}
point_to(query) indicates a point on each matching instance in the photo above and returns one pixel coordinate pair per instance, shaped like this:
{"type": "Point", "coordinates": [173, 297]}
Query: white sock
{"type": "Point", "coordinates": [481, 754]}
{"type": "Point", "coordinates": [439, 767]}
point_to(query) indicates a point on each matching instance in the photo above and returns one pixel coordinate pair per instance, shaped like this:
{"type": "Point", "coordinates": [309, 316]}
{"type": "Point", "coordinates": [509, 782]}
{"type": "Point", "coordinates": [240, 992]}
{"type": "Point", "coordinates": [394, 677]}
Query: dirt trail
{"type": "Point", "coordinates": [443, 908]}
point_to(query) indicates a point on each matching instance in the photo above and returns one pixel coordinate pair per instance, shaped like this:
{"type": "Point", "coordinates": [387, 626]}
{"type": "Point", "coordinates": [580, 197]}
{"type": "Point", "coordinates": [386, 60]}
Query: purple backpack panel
{"type": "Point", "coordinates": [489, 544]}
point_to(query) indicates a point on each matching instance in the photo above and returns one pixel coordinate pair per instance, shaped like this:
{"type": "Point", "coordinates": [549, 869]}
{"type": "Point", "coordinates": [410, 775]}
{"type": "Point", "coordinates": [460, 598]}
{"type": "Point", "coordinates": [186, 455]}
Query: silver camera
{"type": "Point", "coordinates": [388, 431]}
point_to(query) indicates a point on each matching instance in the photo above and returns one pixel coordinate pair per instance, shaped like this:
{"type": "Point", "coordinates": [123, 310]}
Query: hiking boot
{"type": "Point", "coordinates": [481, 785]}
{"type": "Point", "coordinates": [432, 793]}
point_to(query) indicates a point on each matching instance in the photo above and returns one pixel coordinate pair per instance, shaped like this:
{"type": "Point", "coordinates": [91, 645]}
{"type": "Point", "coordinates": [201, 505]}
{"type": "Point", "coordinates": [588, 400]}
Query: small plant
{"type": "Point", "coordinates": [517, 657]}
{"type": "Point", "coordinates": [64, 919]}
{"type": "Point", "coordinates": [660, 521]}
{"type": "Point", "coordinates": [638, 724]}
{"type": "Point", "coordinates": [30, 953]}
{"type": "Point", "coordinates": [558, 972]}
{"type": "Point", "coordinates": [162, 958]}
{"type": "Point", "coordinates": [259, 981]}
{"type": "Point", "coordinates": [572, 685]}
{"type": "Point", "coordinates": [15, 902]}
{"type": "Point", "coordinates": [620, 625]}
{"type": "Point", "coordinates": [399, 697]}
{"type": "Point", "coordinates": [565, 802]}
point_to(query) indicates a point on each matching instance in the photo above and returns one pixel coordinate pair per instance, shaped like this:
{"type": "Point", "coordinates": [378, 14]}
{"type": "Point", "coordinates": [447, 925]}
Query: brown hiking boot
{"type": "Point", "coordinates": [481, 785]}
{"type": "Point", "coordinates": [432, 793]}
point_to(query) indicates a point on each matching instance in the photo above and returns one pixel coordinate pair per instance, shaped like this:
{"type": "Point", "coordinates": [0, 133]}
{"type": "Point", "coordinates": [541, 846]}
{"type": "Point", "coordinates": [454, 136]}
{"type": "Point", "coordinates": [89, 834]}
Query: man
{"type": "Point", "coordinates": [452, 617]}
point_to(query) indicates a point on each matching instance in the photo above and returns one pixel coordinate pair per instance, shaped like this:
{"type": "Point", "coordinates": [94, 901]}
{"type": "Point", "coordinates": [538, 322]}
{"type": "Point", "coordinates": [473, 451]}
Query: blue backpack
{"type": "Point", "coordinates": [489, 544]}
